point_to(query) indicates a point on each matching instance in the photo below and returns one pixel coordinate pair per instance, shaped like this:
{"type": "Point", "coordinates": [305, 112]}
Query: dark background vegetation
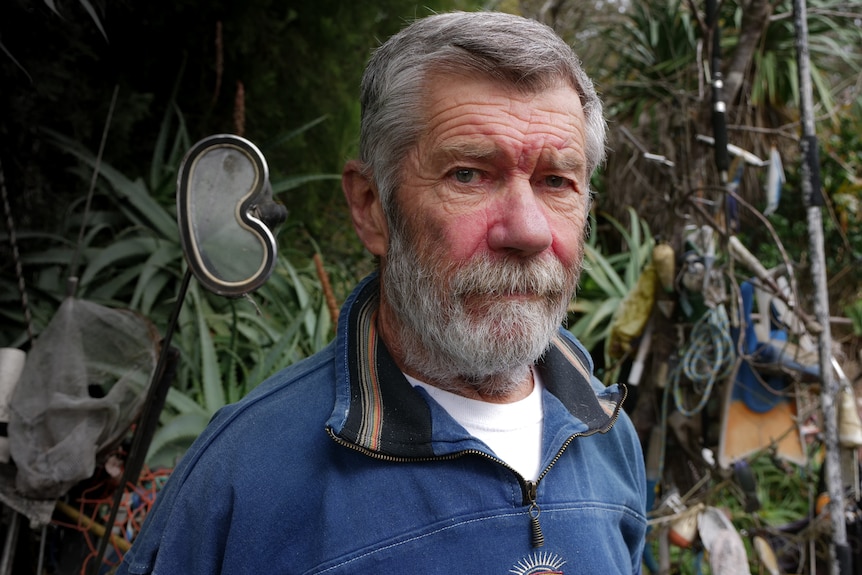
{"type": "Point", "coordinates": [296, 61]}
{"type": "Point", "coordinates": [297, 65]}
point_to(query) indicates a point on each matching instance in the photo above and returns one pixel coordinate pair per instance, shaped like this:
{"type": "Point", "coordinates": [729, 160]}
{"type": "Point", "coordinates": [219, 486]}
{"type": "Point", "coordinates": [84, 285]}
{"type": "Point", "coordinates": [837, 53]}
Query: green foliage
{"type": "Point", "coordinates": [229, 346]}
{"type": "Point", "coordinates": [655, 75]}
{"type": "Point", "coordinates": [854, 312]}
{"type": "Point", "coordinates": [784, 493]}
{"type": "Point", "coordinates": [88, 7]}
{"type": "Point", "coordinates": [840, 162]}
{"type": "Point", "coordinates": [652, 61]}
{"type": "Point", "coordinates": [298, 63]}
{"type": "Point", "coordinates": [130, 256]}
{"type": "Point", "coordinates": [841, 166]}
{"type": "Point", "coordinates": [655, 55]}
{"type": "Point", "coordinates": [775, 76]}
{"type": "Point", "coordinates": [607, 278]}
{"type": "Point", "coordinates": [133, 260]}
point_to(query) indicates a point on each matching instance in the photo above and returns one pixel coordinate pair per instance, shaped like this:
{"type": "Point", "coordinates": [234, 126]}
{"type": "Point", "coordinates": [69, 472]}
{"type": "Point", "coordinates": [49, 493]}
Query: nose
{"type": "Point", "coordinates": [520, 225]}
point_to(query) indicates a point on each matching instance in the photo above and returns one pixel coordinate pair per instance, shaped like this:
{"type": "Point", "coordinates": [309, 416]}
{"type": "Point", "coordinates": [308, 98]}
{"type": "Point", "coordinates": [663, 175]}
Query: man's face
{"type": "Point", "coordinates": [492, 208]}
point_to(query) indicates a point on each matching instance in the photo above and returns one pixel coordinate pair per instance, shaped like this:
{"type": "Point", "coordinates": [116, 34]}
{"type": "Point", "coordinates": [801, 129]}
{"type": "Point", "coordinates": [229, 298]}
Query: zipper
{"type": "Point", "coordinates": [529, 488]}
{"type": "Point", "coordinates": [537, 538]}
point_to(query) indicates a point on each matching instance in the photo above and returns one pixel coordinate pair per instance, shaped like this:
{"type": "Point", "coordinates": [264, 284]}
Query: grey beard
{"type": "Point", "coordinates": [490, 346]}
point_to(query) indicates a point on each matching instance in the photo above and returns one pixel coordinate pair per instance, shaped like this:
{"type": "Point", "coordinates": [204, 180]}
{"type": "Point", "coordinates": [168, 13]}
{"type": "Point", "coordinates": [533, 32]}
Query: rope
{"type": "Point", "coordinates": [709, 357]}
{"type": "Point", "coordinates": [89, 510]}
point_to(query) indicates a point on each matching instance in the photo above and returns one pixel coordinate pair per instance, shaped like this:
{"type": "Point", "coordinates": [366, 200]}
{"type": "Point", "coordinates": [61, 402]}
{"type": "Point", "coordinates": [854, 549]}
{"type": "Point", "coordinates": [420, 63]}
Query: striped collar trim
{"type": "Point", "coordinates": [386, 415]}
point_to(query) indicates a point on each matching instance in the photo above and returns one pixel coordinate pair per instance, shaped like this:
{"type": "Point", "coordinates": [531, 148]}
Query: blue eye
{"type": "Point", "coordinates": [465, 175]}
{"type": "Point", "coordinates": [555, 181]}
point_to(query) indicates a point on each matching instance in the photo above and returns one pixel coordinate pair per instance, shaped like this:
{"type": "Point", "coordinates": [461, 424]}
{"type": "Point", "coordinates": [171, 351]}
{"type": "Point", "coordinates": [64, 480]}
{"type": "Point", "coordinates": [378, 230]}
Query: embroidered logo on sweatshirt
{"type": "Point", "coordinates": [539, 564]}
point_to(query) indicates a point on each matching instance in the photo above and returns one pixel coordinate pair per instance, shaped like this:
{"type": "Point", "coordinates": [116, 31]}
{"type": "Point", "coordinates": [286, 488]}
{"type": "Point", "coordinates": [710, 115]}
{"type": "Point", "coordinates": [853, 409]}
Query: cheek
{"type": "Point", "coordinates": [569, 239]}
{"type": "Point", "coordinates": [459, 238]}
{"type": "Point", "coordinates": [453, 237]}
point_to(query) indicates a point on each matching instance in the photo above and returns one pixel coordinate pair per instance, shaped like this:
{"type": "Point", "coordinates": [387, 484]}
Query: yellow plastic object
{"type": "Point", "coordinates": [634, 312]}
{"type": "Point", "coordinates": [664, 260]}
{"type": "Point", "coordinates": [766, 555]}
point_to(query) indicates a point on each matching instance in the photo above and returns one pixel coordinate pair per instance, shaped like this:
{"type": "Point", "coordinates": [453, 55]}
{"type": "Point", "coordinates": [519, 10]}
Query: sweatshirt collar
{"type": "Point", "coordinates": [377, 409]}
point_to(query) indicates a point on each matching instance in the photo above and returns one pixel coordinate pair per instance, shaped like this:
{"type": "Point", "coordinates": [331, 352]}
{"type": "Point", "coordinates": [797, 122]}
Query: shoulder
{"type": "Point", "coordinates": [286, 412]}
{"type": "Point", "coordinates": [266, 439]}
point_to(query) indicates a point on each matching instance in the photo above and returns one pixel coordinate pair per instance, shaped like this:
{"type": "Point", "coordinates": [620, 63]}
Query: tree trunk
{"type": "Point", "coordinates": [755, 19]}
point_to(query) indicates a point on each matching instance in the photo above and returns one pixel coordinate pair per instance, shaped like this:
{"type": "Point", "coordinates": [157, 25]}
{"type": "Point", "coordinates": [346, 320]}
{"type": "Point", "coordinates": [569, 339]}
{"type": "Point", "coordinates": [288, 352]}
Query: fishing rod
{"type": "Point", "coordinates": [839, 550]}
{"type": "Point", "coordinates": [719, 106]}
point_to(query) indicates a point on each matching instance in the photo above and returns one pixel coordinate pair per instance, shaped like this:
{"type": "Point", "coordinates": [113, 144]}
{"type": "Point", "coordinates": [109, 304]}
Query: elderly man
{"type": "Point", "coordinates": [452, 426]}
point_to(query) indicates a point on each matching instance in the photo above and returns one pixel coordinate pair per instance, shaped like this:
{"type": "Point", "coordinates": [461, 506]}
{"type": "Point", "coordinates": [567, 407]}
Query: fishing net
{"type": "Point", "coordinates": [82, 386]}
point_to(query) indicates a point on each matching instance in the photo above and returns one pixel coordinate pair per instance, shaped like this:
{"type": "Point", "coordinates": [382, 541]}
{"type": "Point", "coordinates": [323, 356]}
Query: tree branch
{"type": "Point", "coordinates": [755, 19]}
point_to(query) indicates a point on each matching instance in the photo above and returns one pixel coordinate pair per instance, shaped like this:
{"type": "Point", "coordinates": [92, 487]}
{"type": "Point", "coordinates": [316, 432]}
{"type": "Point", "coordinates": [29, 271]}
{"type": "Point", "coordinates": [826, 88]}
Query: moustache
{"type": "Point", "coordinates": [541, 277]}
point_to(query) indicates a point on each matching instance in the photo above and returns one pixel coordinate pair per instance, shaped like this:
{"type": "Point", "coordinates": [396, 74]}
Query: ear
{"type": "Point", "coordinates": [366, 210]}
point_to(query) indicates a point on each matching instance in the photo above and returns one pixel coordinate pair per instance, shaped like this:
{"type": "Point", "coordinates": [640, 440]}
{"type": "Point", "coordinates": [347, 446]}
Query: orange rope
{"type": "Point", "coordinates": [95, 501]}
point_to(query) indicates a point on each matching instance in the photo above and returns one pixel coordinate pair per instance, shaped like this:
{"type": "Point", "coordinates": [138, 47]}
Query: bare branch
{"type": "Point", "coordinates": [755, 19]}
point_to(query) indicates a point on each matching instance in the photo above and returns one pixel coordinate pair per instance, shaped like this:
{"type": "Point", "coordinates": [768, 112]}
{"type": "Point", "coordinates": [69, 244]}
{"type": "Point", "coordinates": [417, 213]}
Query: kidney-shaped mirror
{"type": "Point", "coordinates": [224, 209]}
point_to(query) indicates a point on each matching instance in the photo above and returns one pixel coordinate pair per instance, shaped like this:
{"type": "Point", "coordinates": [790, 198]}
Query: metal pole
{"type": "Point", "coordinates": [719, 107]}
{"type": "Point", "coordinates": [10, 543]}
{"type": "Point", "coordinates": [147, 421]}
{"type": "Point", "coordinates": [839, 551]}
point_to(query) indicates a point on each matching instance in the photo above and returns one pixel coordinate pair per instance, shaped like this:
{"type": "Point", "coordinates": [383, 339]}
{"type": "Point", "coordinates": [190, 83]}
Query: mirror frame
{"type": "Point", "coordinates": [242, 210]}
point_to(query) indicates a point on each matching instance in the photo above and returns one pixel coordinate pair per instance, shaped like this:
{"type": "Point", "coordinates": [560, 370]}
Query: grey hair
{"type": "Point", "coordinates": [522, 53]}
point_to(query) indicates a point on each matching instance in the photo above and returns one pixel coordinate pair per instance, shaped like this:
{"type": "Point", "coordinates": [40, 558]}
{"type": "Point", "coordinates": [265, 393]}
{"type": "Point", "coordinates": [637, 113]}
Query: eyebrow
{"type": "Point", "coordinates": [566, 162]}
{"type": "Point", "coordinates": [482, 151]}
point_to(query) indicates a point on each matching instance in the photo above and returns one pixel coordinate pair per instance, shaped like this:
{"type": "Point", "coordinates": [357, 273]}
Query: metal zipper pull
{"type": "Point", "coordinates": [536, 535]}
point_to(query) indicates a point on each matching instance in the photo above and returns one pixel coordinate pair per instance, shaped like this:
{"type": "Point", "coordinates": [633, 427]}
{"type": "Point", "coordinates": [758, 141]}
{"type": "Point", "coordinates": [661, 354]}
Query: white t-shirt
{"type": "Point", "coordinates": [513, 431]}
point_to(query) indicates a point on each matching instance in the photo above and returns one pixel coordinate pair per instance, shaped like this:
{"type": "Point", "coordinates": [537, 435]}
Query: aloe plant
{"type": "Point", "coordinates": [230, 346]}
{"type": "Point", "coordinates": [130, 256]}
{"type": "Point", "coordinates": [607, 279]}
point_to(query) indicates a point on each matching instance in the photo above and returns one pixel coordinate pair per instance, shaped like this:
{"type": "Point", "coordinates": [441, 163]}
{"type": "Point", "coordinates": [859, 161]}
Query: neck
{"type": "Point", "coordinates": [499, 388]}
{"type": "Point", "coordinates": [505, 387]}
